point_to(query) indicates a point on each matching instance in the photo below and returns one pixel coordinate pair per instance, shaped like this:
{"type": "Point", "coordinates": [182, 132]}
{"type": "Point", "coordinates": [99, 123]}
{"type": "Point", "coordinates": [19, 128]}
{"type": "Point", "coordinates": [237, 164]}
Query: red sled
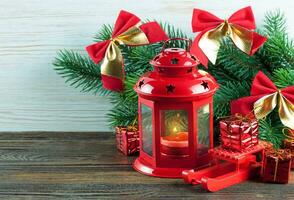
{"type": "Point", "coordinates": [236, 168]}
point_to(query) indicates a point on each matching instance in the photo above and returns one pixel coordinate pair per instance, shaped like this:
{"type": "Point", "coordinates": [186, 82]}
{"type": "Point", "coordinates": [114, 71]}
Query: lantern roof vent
{"type": "Point", "coordinates": [174, 57]}
{"type": "Point", "coordinates": [176, 75]}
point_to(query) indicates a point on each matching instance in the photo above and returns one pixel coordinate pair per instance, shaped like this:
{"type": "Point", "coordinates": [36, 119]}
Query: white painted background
{"type": "Point", "coordinates": [34, 97]}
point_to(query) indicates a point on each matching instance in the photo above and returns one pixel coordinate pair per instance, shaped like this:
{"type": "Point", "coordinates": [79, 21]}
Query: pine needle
{"type": "Point", "coordinates": [79, 71]}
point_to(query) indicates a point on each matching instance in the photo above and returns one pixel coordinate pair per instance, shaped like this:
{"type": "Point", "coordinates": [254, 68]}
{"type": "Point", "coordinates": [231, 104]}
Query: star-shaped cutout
{"type": "Point", "coordinates": [205, 84]}
{"type": "Point", "coordinates": [170, 88]}
{"type": "Point", "coordinates": [174, 61]}
{"type": "Point", "coordinates": [141, 83]}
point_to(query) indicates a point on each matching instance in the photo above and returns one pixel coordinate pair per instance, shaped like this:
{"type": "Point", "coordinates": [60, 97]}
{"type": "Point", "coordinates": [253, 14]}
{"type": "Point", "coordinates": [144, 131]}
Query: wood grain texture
{"type": "Point", "coordinates": [86, 165]}
{"type": "Point", "coordinates": [33, 96]}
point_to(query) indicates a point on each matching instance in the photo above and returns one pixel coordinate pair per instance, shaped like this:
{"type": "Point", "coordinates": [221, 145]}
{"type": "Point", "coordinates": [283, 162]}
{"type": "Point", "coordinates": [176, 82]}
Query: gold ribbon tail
{"type": "Point", "coordinates": [112, 64]}
{"type": "Point", "coordinates": [263, 106]}
{"type": "Point", "coordinates": [286, 111]}
{"type": "Point", "coordinates": [276, 168]}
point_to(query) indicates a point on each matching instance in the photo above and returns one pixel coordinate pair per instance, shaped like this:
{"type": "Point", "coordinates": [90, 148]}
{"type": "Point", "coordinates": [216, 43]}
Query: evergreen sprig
{"type": "Point", "coordinates": [274, 22]}
{"type": "Point", "coordinates": [239, 65]}
{"type": "Point", "coordinates": [234, 72]}
{"type": "Point", "coordinates": [283, 77]}
{"type": "Point", "coordinates": [104, 33]}
{"type": "Point", "coordinates": [271, 129]}
{"type": "Point", "coordinates": [79, 71]}
{"type": "Point", "coordinates": [278, 51]}
{"type": "Point", "coordinates": [228, 91]}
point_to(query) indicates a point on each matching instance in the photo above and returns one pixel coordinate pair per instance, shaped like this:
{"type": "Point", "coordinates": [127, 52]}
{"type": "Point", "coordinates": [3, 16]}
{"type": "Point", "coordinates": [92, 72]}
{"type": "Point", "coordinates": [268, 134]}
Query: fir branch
{"type": "Point", "coordinates": [238, 63]}
{"type": "Point", "coordinates": [278, 51]}
{"type": "Point", "coordinates": [138, 58]}
{"type": "Point", "coordinates": [219, 72]}
{"type": "Point", "coordinates": [274, 22]}
{"type": "Point", "coordinates": [79, 71]}
{"type": "Point", "coordinates": [104, 33]}
{"type": "Point", "coordinates": [271, 130]}
{"type": "Point", "coordinates": [172, 31]}
{"type": "Point", "coordinates": [226, 93]}
{"type": "Point", "coordinates": [122, 116]}
{"type": "Point", "coordinates": [129, 91]}
{"type": "Point", "coordinates": [125, 105]}
{"type": "Point", "coordinates": [124, 112]}
{"type": "Point", "coordinates": [283, 77]}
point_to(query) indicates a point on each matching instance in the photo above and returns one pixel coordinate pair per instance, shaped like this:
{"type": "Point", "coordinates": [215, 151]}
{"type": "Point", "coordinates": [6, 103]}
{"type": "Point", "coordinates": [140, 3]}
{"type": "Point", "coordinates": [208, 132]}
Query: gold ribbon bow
{"type": "Point", "coordinates": [239, 27]}
{"type": "Point", "coordinates": [113, 56]}
{"type": "Point", "coordinates": [211, 40]}
{"type": "Point", "coordinates": [264, 97]}
{"type": "Point", "coordinates": [264, 105]}
{"type": "Point", "coordinates": [128, 30]}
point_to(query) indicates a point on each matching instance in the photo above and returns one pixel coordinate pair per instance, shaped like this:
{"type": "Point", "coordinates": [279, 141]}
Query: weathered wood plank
{"type": "Point", "coordinates": [46, 135]}
{"type": "Point", "coordinates": [44, 148]}
{"type": "Point", "coordinates": [44, 165]}
{"type": "Point", "coordinates": [83, 174]}
{"type": "Point", "coordinates": [171, 190]}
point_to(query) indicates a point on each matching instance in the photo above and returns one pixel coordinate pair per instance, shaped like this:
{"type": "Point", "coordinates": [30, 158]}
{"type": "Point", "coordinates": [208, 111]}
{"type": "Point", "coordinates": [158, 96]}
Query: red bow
{"type": "Point", "coordinates": [127, 31]}
{"type": "Point", "coordinates": [212, 29]}
{"type": "Point", "coordinates": [264, 98]}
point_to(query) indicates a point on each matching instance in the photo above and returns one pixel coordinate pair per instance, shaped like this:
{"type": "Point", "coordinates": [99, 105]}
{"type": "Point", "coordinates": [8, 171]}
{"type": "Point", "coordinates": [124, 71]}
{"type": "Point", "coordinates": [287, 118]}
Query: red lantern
{"type": "Point", "coordinates": [175, 115]}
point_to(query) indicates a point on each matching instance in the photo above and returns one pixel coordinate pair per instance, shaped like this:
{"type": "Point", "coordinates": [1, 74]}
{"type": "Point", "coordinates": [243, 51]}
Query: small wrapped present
{"type": "Point", "coordinates": [289, 144]}
{"type": "Point", "coordinates": [277, 166]}
{"type": "Point", "coordinates": [238, 133]}
{"type": "Point", "coordinates": [127, 139]}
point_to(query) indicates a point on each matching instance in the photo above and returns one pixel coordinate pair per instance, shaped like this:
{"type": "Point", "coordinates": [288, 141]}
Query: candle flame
{"type": "Point", "coordinates": [175, 129]}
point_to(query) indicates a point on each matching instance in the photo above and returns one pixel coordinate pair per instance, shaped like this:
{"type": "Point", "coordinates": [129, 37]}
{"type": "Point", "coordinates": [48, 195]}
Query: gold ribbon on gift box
{"type": "Point", "coordinates": [288, 135]}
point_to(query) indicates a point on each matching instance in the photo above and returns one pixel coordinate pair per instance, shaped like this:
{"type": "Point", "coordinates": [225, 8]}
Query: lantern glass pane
{"type": "Point", "coordinates": [174, 133]}
{"type": "Point", "coordinates": [203, 129]}
{"type": "Point", "coordinates": [146, 116]}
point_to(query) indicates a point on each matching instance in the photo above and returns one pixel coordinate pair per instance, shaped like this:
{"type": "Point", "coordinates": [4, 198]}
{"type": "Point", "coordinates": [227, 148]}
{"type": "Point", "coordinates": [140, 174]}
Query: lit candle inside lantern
{"type": "Point", "coordinates": [175, 144]}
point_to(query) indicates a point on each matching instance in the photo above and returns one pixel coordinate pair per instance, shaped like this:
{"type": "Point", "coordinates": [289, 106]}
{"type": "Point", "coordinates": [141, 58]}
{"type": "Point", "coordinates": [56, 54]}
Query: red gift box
{"type": "Point", "coordinates": [238, 133]}
{"type": "Point", "coordinates": [289, 144]}
{"type": "Point", "coordinates": [277, 166]}
{"type": "Point", "coordinates": [127, 139]}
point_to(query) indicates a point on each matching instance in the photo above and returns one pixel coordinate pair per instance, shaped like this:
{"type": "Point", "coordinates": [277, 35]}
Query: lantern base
{"type": "Point", "coordinates": [144, 168]}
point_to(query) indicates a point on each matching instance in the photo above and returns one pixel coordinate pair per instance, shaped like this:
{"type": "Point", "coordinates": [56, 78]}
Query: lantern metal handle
{"type": "Point", "coordinates": [183, 39]}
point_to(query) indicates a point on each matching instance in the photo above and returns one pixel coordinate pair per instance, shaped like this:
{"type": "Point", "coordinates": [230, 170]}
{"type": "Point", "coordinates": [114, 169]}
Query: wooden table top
{"type": "Point", "coordinates": [57, 165]}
